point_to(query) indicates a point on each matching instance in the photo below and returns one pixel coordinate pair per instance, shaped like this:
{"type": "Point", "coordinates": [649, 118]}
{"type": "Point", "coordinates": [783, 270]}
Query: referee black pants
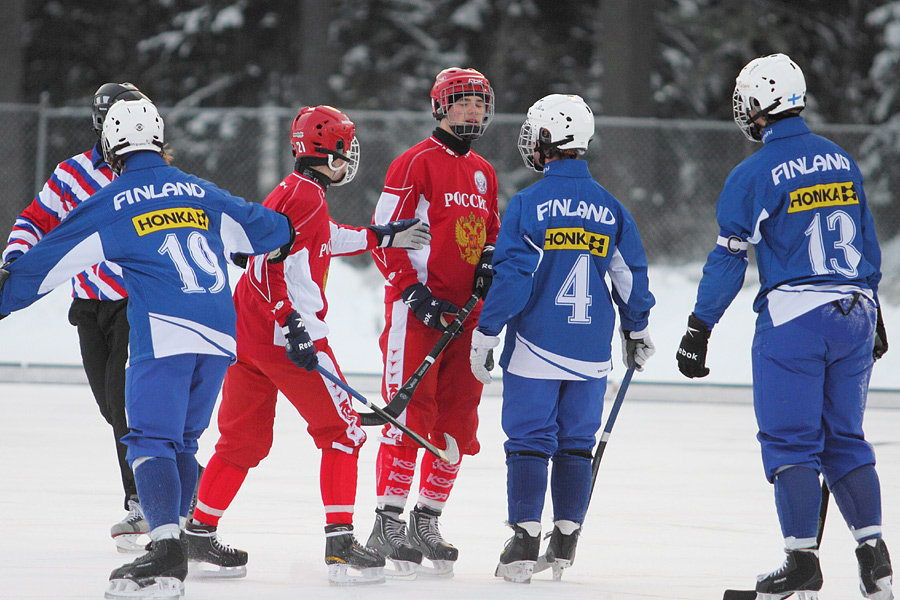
{"type": "Point", "coordinates": [103, 336]}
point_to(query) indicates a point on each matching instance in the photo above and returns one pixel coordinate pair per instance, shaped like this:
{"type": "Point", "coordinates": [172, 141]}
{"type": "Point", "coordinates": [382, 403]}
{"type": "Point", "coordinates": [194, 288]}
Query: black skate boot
{"type": "Point", "coordinates": [389, 540]}
{"type": "Point", "coordinates": [799, 574]}
{"type": "Point", "coordinates": [158, 574]}
{"type": "Point", "coordinates": [216, 559]}
{"type": "Point", "coordinates": [519, 556]}
{"type": "Point", "coordinates": [343, 552]}
{"type": "Point", "coordinates": [425, 536]}
{"type": "Point", "coordinates": [875, 573]}
{"type": "Point", "coordinates": [560, 552]}
{"type": "Point", "coordinates": [130, 534]}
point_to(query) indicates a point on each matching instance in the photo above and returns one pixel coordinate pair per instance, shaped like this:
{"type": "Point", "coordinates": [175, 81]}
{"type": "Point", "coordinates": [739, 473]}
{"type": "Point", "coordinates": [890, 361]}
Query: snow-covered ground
{"type": "Point", "coordinates": [681, 509]}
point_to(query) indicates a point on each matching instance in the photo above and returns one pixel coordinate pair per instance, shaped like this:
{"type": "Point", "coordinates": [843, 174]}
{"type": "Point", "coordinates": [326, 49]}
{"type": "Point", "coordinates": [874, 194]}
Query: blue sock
{"type": "Point", "coordinates": [570, 486]}
{"type": "Point", "coordinates": [798, 496]}
{"type": "Point", "coordinates": [159, 490]}
{"type": "Point", "coordinates": [858, 495]}
{"type": "Point", "coordinates": [526, 486]}
{"type": "Point", "coordinates": [187, 473]}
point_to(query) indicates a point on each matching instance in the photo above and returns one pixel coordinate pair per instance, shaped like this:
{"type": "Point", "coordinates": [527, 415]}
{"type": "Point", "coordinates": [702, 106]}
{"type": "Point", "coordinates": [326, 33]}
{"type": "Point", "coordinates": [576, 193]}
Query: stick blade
{"type": "Point", "coordinates": [451, 452]}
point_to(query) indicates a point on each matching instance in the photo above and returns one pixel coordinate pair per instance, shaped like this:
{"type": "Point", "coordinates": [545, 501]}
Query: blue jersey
{"type": "Point", "coordinates": [559, 239]}
{"type": "Point", "coordinates": [170, 232]}
{"type": "Point", "coordinates": [800, 201]}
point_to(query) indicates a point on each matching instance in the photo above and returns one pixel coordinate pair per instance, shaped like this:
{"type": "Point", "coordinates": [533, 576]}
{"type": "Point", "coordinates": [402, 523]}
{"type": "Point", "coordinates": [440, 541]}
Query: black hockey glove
{"type": "Point", "coordinates": [240, 260]}
{"type": "Point", "coordinates": [427, 308]}
{"type": "Point", "coordinates": [881, 343]}
{"type": "Point", "coordinates": [691, 353]}
{"type": "Point", "coordinates": [410, 234]}
{"type": "Point", "coordinates": [300, 348]}
{"type": "Point", "coordinates": [279, 255]}
{"type": "Point", "coordinates": [484, 272]}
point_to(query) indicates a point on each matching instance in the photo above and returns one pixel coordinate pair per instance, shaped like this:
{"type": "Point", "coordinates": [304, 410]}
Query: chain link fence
{"type": "Point", "coordinates": [668, 173]}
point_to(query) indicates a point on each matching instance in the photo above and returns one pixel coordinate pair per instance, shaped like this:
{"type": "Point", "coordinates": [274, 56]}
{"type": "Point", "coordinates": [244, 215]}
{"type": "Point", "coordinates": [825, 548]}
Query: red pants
{"type": "Point", "coordinates": [447, 398]}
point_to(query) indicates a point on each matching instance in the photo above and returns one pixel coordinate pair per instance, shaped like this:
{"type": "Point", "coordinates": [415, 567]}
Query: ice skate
{"type": "Point", "coordinates": [349, 562]}
{"type": "Point", "coordinates": [159, 574]}
{"type": "Point", "coordinates": [389, 540]}
{"type": "Point", "coordinates": [212, 558]}
{"type": "Point", "coordinates": [560, 553]}
{"type": "Point", "coordinates": [800, 574]}
{"type": "Point", "coordinates": [130, 534]}
{"type": "Point", "coordinates": [519, 556]}
{"type": "Point", "coordinates": [425, 536]}
{"type": "Point", "coordinates": [875, 572]}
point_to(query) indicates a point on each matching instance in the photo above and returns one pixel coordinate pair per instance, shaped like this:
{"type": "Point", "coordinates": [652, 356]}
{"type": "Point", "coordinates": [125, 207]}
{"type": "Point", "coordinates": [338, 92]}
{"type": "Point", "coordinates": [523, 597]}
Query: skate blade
{"type": "Point", "coordinates": [131, 542]}
{"type": "Point", "coordinates": [403, 570]}
{"type": "Point", "coordinates": [519, 571]}
{"type": "Point", "coordinates": [204, 570]}
{"type": "Point", "coordinates": [801, 595]}
{"type": "Point", "coordinates": [162, 588]}
{"type": "Point", "coordinates": [884, 590]}
{"type": "Point", "coordinates": [346, 575]}
{"type": "Point", "coordinates": [438, 568]}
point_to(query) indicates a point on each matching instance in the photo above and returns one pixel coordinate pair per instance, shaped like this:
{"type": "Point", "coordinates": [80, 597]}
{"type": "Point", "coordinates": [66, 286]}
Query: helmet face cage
{"type": "Point", "coordinates": [768, 85]}
{"type": "Point", "coordinates": [105, 96]}
{"type": "Point", "coordinates": [325, 133]}
{"type": "Point", "coordinates": [474, 95]}
{"type": "Point", "coordinates": [556, 122]}
{"type": "Point", "coordinates": [131, 125]}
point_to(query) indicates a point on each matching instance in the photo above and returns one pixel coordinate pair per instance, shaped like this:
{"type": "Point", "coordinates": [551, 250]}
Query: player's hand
{"type": "Point", "coordinates": [484, 272]}
{"type": "Point", "coordinates": [637, 348]}
{"type": "Point", "coordinates": [691, 353]}
{"type": "Point", "coordinates": [300, 348]}
{"type": "Point", "coordinates": [881, 343]}
{"type": "Point", "coordinates": [240, 260]}
{"type": "Point", "coordinates": [434, 312]}
{"type": "Point", "coordinates": [481, 356]}
{"type": "Point", "coordinates": [410, 234]}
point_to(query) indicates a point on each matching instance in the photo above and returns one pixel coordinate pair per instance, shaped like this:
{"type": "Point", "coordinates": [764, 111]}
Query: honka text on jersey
{"type": "Point", "coordinates": [463, 199]}
{"type": "Point", "coordinates": [170, 218]}
{"type": "Point", "coordinates": [802, 166]}
{"type": "Point", "coordinates": [562, 207]}
{"type": "Point", "coordinates": [146, 192]}
{"type": "Point", "coordinates": [823, 195]}
{"type": "Point", "coordinates": [576, 238]}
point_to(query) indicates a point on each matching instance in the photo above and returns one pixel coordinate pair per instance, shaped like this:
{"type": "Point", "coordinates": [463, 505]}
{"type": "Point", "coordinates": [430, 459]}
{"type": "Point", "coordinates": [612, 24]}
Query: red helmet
{"type": "Point", "coordinates": [324, 132]}
{"type": "Point", "coordinates": [455, 83]}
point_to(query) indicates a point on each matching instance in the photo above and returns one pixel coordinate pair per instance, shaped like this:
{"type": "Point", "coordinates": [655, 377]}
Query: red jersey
{"type": "Point", "coordinates": [266, 293]}
{"type": "Point", "coordinates": [457, 196]}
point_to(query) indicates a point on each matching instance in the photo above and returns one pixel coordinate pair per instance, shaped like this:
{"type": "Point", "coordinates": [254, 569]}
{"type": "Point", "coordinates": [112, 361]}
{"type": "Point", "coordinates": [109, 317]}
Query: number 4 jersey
{"type": "Point", "coordinates": [800, 201]}
{"type": "Point", "coordinates": [170, 232]}
{"type": "Point", "coordinates": [559, 240]}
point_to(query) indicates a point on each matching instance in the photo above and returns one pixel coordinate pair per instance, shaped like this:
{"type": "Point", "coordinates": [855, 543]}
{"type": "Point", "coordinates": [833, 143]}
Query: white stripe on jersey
{"type": "Point", "coordinates": [620, 275]}
{"type": "Point", "coordinates": [88, 252]}
{"type": "Point", "coordinates": [174, 335]}
{"type": "Point", "coordinates": [529, 360]}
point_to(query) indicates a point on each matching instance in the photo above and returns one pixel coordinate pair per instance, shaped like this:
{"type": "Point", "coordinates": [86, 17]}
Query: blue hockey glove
{"type": "Point", "coordinates": [881, 343]}
{"type": "Point", "coordinates": [300, 348]}
{"type": "Point", "coordinates": [410, 234]}
{"type": "Point", "coordinates": [427, 308]}
{"type": "Point", "coordinates": [484, 272]}
{"type": "Point", "coordinates": [637, 348]}
{"type": "Point", "coordinates": [481, 356]}
{"type": "Point", "coordinates": [691, 353]}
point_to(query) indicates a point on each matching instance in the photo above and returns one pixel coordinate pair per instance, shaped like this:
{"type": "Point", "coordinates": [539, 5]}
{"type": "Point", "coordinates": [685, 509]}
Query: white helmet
{"type": "Point", "coordinates": [131, 125]}
{"type": "Point", "coordinates": [555, 122]}
{"type": "Point", "coordinates": [768, 85]}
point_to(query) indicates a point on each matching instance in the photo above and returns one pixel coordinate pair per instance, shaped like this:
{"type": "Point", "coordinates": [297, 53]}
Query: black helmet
{"type": "Point", "coordinates": [104, 97]}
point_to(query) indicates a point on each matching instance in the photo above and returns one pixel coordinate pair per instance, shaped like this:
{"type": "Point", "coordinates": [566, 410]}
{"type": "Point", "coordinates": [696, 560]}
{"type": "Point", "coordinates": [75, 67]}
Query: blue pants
{"type": "Point", "coordinates": [543, 419]}
{"type": "Point", "coordinates": [810, 381]}
{"type": "Point", "coordinates": [169, 402]}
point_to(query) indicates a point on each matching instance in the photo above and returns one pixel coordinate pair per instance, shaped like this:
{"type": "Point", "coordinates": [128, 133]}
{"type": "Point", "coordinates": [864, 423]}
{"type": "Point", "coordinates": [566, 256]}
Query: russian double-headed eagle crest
{"type": "Point", "coordinates": [470, 237]}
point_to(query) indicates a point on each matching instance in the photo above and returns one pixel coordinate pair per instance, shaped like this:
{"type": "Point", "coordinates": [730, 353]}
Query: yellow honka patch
{"type": "Point", "coordinates": [576, 238]}
{"type": "Point", "coordinates": [170, 218]}
{"type": "Point", "coordinates": [822, 196]}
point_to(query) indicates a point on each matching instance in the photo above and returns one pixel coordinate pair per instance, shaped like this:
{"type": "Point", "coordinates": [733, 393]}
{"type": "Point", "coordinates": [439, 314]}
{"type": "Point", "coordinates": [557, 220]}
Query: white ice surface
{"type": "Point", "coordinates": [681, 509]}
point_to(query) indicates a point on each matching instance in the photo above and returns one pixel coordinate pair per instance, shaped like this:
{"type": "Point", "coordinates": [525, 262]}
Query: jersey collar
{"type": "Point", "coordinates": [97, 156]}
{"type": "Point", "coordinates": [570, 167]}
{"type": "Point", "coordinates": [143, 159]}
{"type": "Point", "coordinates": [785, 128]}
{"type": "Point", "coordinates": [458, 146]}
